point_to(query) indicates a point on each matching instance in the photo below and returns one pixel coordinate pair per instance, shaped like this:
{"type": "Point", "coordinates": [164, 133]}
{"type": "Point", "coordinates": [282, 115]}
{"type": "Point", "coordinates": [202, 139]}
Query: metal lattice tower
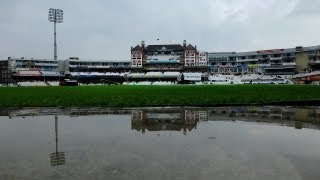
{"type": "Point", "coordinates": [55, 16]}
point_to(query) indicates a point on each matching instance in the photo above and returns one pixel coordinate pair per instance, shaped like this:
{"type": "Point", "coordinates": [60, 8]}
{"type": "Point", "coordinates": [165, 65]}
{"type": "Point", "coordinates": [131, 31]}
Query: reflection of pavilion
{"type": "Point", "coordinates": [166, 120]}
{"type": "Point", "coordinates": [285, 116]}
{"type": "Point", "coordinates": [266, 113]}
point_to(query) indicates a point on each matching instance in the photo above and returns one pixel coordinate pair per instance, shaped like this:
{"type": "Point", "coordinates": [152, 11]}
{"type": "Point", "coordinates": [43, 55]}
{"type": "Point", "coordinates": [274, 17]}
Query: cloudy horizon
{"type": "Point", "coordinates": [105, 30]}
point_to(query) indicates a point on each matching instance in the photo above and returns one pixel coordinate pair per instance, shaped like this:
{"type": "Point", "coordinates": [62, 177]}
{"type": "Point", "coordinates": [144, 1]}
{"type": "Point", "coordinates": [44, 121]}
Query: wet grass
{"type": "Point", "coordinates": [143, 96]}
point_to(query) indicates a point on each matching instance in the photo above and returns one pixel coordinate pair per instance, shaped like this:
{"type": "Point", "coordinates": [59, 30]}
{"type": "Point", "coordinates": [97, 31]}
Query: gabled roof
{"type": "Point", "coordinates": [190, 47]}
{"type": "Point", "coordinates": [165, 47]}
{"type": "Point", "coordinates": [137, 48]}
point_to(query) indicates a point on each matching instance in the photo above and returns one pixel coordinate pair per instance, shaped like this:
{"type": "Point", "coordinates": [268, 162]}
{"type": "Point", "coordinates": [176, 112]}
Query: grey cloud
{"type": "Point", "coordinates": [101, 29]}
{"type": "Point", "coordinates": [307, 8]}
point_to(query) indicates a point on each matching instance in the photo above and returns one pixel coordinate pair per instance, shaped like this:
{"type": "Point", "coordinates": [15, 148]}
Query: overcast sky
{"type": "Point", "coordinates": [106, 29]}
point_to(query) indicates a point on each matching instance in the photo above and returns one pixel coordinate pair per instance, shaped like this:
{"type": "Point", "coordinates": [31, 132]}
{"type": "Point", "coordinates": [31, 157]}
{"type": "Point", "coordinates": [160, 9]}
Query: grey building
{"type": "Point", "coordinates": [5, 74]}
{"type": "Point", "coordinates": [274, 61]}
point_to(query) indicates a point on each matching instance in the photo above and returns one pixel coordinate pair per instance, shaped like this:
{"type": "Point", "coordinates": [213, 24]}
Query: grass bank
{"type": "Point", "coordinates": [142, 96]}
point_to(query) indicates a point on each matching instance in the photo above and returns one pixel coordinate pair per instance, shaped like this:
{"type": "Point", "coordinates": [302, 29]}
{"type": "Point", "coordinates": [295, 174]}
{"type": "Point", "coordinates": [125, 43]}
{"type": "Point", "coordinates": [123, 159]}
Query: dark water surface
{"type": "Point", "coordinates": [160, 143]}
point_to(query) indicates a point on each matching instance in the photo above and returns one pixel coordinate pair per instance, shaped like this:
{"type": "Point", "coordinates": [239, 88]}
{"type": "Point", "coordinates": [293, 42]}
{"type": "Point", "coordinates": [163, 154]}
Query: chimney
{"type": "Point", "coordinates": [142, 44]}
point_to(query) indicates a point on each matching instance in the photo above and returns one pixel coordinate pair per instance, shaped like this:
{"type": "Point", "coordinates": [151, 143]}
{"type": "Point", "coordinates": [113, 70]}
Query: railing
{"type": "Point", "coordinates": [277, 73]}
{"type": "Point", "coordinates": [290, 64]}
{"type": "Point", "coordinates": [92, 67]}
{"type": "Point", "coordinates": [45, 64]}
{"type": "Point", "coordinates": [315, 62]}
{"type": "Point", "coordinates": [275, 58]}
{"type": "Point", "coordinates": [247, 60]}
{"type": "Point", "coordinates": [163, 68]}
{"type": "Point", "coordinates": [276, 64]}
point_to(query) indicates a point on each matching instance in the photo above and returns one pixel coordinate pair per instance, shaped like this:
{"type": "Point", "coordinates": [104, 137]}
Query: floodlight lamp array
{"type": "Point", "coordinates": [55, 15]}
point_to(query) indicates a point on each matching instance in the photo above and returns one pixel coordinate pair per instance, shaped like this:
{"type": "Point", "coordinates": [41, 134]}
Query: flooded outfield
{"type": "Point", "coordinates": [160, 143]}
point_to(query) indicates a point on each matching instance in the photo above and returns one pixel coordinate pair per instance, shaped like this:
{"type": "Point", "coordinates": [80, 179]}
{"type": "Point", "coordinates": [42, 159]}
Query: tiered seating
{"type": "Point", "coordinates": [136, 75]}
{"type": "Point", "coordinates": [261, 79]}
{"type": "Point", "coordinates": [28, 73]}
{"type": "Point", "coordinates": [53, 83]}
{"type": "Point", "coordinates": [221, 79]}
{"type": "Point", "coordinates": [152, 75]}
{"type": "Point", "coordinates": [163, 83]}
{"type": "Point", "coordinates": [246, 78]}
{"type": "Point", "coordinates": [96, 74]}
{"type": "Point", "coordinates": [35, 83]}
{"type": "Point", "coordinates": [75, 74]}
{"type": "Point", "coordinates": [306, 74]}
{"type": "Point", "coordinates": [171, 74]}
{"type": "Point", "coordinates": [144, 83]}
{"type": "Point", "coordinates": [83, 74]}
{"type": "Point", "coordinates": [124, 74]}
{"type": "Point", "coordinates": [49, 73]}
{"type": "Point", "coordinates": [113, 74]}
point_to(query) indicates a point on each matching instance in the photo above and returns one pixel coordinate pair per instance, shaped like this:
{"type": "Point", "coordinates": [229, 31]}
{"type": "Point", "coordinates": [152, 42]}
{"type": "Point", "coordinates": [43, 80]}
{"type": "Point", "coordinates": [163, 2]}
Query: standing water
{"type": "Point", "coordinates": [160, 143]}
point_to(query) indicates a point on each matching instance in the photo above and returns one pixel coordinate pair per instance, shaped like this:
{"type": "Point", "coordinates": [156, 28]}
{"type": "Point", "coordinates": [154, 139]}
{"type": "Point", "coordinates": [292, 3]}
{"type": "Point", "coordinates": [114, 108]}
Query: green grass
{"type": "Point", "coordinates": [138, 96]}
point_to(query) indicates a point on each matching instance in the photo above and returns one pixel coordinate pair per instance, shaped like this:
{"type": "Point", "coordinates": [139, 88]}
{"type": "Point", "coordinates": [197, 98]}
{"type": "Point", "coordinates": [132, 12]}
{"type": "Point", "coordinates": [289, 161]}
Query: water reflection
{"type": "Point", "coordinates": [58, 157]}
{"type": "Point", "coordinates": [133, 143]}
{"type": "Point", "coordinates": [186, 119]}
{"type": "Point", "coordinates": [296, 117]}
{"type": "Point", "coordinates": [167, 120]}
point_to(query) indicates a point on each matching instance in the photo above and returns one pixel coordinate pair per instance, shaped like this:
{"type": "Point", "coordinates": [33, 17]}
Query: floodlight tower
{"type": "Point", "coordinates": [55, 16]}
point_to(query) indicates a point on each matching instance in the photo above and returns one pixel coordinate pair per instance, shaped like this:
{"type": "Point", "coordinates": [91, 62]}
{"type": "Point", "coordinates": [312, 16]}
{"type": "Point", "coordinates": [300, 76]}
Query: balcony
{"type": "Point", "coordinates": [248, 60]}
{"type": "Point", "coordinates": [21, 63]}
{"type": "Point", "coordinates": [218, 61]}
{"type": "Point", "coordinates": [89, 66]}
{"type": "Point", "coordinates": [277, 64]}
{"type": "Point", "coordinates": [280, 67]}
{"type": "Point", "coordinates": [163, 62]}
{"type": "Point", "coordinates": [275, 58]}
{"type": "Point", "coordinates": [223, 66]}
{"type": "Point", "coordinates": [264, 65]}
{"type": "Point", "coordinates": [290, 64]}
{"type": "Point", "coordinates": [99, 67]}
{"type": "Point", "coordinates": [163, 68]}
{"type": "Point", "coordinates": [45, 64]}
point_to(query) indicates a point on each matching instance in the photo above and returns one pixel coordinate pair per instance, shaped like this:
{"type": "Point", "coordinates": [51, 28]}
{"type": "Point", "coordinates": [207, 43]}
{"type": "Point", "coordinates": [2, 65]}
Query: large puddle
{"type": "Point", "coordinates": [160, 143]}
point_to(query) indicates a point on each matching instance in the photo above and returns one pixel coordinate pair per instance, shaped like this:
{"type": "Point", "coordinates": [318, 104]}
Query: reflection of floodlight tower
{"type": "Point", "coordinates": [55, 16]}
{"type": "Point", "coordinates": [57, 158]}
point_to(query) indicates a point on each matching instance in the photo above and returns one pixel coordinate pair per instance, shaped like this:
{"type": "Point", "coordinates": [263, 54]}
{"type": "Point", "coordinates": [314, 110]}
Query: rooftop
{"type": "Point", "coordinates": [165, 47]}
{"type": "Point", "coordinates": [263, 52]}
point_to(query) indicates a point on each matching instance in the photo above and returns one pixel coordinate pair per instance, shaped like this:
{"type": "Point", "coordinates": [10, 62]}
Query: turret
{"type": "Point", "coordinates": [142, 44]}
